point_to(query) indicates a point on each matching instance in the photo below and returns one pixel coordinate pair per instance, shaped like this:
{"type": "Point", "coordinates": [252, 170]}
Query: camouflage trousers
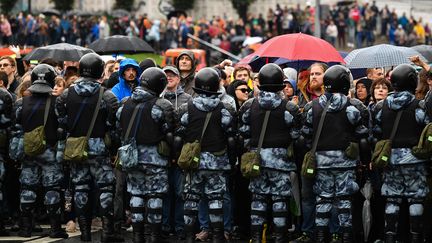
{"type": "Point", "coordinates": [210, 184]}
{"type": "Point", "coordinates": [2, 175]}
{"type": "Point", "coordinates": [276, 185]}
{"type": "Point", "coordinates": [404, 181]}
{"type": "Point", "coordinates": [96, 171]}
{"type": "Point", "coordinates": [147, 185]}
{"type": "Point", "coordinates": [45, 170]}
{"type": "Point", "coordinates": [334, 187]}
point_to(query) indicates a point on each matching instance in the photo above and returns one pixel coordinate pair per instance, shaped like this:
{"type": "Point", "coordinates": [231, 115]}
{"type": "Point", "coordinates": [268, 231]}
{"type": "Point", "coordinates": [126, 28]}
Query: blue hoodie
{"type": "Point", "coordinates": [122, 89]}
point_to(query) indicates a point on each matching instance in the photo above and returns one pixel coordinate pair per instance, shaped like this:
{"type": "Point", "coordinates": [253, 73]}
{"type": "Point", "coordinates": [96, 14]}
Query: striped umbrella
{"type": "Point", "coordinates": [383, 55]}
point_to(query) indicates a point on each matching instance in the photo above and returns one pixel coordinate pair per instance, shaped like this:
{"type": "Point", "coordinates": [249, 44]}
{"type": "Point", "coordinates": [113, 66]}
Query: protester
{"type": "Point", "coordinates": [129, 74]}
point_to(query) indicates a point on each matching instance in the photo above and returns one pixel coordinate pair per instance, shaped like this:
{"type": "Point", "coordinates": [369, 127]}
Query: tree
{"type": "Point", "coordinates": [183, 4]}
{"type": "Point", "coordinates": [124, 4]}
{"type": "Point", "coordinates": [62, 5]}
{"type": "Point", "coordinates": [242, 7]}
{"type": "Point", "coordinates": [7, 5]}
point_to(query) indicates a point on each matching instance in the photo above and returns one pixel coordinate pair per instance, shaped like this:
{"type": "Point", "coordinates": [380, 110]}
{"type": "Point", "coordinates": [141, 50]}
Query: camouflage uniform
{"type": "Point", "coordinates": [335, 181]}
{"type": "Point", "coordinates": [6, 103]}
{"type": "Point", "coordinates": [405, 176]}
{"type": "Point", "coordinates": [148, 182]}
{"type": "Point", "coordinates": [97, 168]}
{"type": "Point", "coordinates": [276, 166]}
{"type": "Point", "coordinates": [211, 176]}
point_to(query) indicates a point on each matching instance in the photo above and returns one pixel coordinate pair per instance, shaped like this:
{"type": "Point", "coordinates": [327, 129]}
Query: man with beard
{"type": "Point", "coordinates": [186, 64]}
{"type": "Point", "coordinates": [128, 78]}
{"type": "Point", "coordinates": [314, 88]}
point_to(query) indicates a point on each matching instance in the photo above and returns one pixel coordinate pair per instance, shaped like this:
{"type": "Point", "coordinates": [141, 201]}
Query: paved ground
{"type": "Point", "coordinates": [75, 237]}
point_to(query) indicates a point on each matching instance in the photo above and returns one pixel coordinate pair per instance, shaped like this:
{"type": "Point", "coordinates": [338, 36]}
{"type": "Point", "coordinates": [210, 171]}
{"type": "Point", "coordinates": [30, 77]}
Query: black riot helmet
{"type": "Point", "coordinates": [91, 65]}
{"type": "Point", "coordinates": [271, 78]}
{"type": "Point", "coordinates": [207, 81]}
{"type": "Point", "coordinates": [337, 79]}
{"type": "Point", "coordinates": [404, 78]}
{"type": "Point", "coordinates": [42, 79]}
{"type": "Point", "coordinates": [154, 79]}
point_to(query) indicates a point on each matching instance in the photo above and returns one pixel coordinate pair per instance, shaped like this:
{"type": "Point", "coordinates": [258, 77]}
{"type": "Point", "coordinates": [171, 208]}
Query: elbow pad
{"type": "Point", "coordinates": [177, 144]}
{"type": "Point", "coordinates": [169, 137]}
{"type": "Point", "coordinates": [365, 151]}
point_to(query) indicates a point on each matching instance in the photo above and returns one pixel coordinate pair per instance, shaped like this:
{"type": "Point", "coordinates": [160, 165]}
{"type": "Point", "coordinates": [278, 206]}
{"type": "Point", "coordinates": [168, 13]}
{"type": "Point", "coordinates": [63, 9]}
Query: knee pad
{"type": "Point", "coordinates": [52, 196]}
{"type": "Point", "coordinates": [28, 196]}
{"type": "Point", "coordinates": [393, 205]}
{"type": "Point", "coordinates": [416, 209]}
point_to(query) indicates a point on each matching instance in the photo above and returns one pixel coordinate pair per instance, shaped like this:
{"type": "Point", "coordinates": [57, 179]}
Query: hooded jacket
{"type": "Point", "coordinates": [122, 89]}
{"type": "Point", "coordinates": [187, 82]}
{"type": "Point", "coordinates": [177, 98]}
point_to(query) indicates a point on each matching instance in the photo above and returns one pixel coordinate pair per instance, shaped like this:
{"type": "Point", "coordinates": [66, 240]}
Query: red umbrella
{"type": "Point", "coordinates": [299, 47]}
{"type": "Point", "coordinates": [247, 59]}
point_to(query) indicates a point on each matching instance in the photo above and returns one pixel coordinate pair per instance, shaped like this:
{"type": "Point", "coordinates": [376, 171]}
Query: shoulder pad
{"type": "Point", "coordinates": [422, 104]}
{"type": "Point", "coordinates": [357, 104]}
{"type": "Point", "coordinates": [379, 105]}
{"type": "Point", "coordinates": [108, 94]}
{"type": "Point", "coordinates": [229, 107]}
{"type": "Point", "coordinates": [291, 107]}
{"type": "Point", "coordinates": [247, 104]}
{"type": "Point", "coordinates": [163, 103]}
{"type": "Point", "coordinates": [19, 102]}
{"type": "Point", "coordinates": [183, 108]}
{"type": "Point", "coordinates": [308, 106]}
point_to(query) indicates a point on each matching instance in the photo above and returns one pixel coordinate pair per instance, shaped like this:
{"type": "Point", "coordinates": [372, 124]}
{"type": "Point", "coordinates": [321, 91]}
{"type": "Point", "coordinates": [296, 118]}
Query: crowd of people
{"type": "Point", "coordinates": [345, 26]}
{"type": "Point", "coordinates": [118, 140]}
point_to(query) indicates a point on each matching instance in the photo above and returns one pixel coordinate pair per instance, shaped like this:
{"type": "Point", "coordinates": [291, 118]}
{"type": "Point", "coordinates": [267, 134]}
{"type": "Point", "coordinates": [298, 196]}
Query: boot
{"type": "Point", "coordinates": [256, 233]}
{"type": "Point", "coordinates": [26, 220]}
{"type": "Point", "coordinates": [54, 215]}
{"type": "Point", "coordinates": [390, 237]}
{"type": "Point", "coordinates": [347, 235]}
{"type": "Point", "coordinates": [138, 232]}
{"type": "Point", "coordinates": [108, 234]}
{"type": "Point", "coordinates": [3, 231]}
{"type": "Point", "coordinates": [189, 232]}
{"type": "Point", "coordinates": [218, 235]}
{"type": "Point", "coordinates": [321, 234]}
{"type": "Point", "coordinates": [416, 237]}
{"type": "Point", "coordinates": [85, 228]}
{"type": "Point", "coordinates": [155, 235]}
{"type": "Point", "coordinates": [280, 234]}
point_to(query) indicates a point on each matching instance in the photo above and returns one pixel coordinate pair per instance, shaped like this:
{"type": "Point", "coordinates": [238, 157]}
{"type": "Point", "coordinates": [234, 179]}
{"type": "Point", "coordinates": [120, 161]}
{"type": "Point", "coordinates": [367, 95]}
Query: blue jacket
{"type": "Point", "coordinates": [122, 89]}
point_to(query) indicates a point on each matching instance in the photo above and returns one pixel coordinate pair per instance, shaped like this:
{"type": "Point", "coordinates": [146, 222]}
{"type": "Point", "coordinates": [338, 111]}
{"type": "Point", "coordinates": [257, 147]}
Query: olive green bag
{"type": "Point", "coordinates": [309, 165]}
{"type": "Point", "coordinates": [423, 150]}
{"type": "Point", "coordinates": [382, 152]}
{"type": "Point", "coordinates": [34, 141]}
{"type": "Point", "coordinates": [251, 161]}
{"type": "Point", "coordinates": [76, 148]}
{"type": "Point", "coordinates": [190, 154]}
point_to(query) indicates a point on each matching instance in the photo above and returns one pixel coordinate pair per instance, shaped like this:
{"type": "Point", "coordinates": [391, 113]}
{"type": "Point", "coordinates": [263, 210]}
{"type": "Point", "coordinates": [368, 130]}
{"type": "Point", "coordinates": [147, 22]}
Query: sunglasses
{"type": "Point", "coordinates": [4, 65]}
{"type": "Point", "coordinates": [244, 90]}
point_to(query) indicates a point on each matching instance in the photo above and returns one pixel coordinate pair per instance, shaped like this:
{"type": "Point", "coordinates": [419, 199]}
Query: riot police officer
{"type": "Point", "coordinates": [6, 113]}
{"type": "Point", "coordinates": [152, 125]}
{"type": "Point", "coordinates": [213, 163]}
{"type": "Point", "coordinates": [344, 127]}
{"type": "Point", "coordinates": [32, 113]}
{"type": "Point", "coordinates": [273, 183]}
{"type": "Point", "coordinates": [405, 176]}
{"type": "Point", "coordinates": [74, 107]}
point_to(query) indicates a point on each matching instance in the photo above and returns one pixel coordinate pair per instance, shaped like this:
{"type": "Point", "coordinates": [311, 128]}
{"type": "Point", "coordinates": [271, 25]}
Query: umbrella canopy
{"type": "Point", "coordinates": [79, 13]}
{"type": "Point", "coordinates": [252, 40]}
{"type": "Point", "coordinates": [425, 50]}
{"type": "Point", "coordinates": [238, 38]}
{"type": "Point", "coordinates": [299, 46]}
{"type": "Point", "coordinates": [58, 52]}
{"type": "Point", "coordinates": [120, 44]}
{"type": "Point", "coordinates": [51, 11]}
{"type": "Point", "coordinates": [383, 55]}
{"type": "Point", "coordinates": [119, 13]}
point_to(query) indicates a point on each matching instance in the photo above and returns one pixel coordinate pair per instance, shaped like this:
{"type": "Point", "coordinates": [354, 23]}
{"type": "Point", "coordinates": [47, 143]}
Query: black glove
{"type": "Point", "coordinates": [61, 134]}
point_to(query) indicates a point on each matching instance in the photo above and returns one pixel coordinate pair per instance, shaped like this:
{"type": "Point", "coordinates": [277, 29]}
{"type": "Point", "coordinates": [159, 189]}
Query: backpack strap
{"type": "Point", "coordinates": [95, 114]}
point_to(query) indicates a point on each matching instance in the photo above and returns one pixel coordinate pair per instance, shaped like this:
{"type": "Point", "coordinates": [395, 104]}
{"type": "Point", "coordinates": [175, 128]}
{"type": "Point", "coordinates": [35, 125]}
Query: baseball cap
{"type": "Point", "coordinates": [171, 69]}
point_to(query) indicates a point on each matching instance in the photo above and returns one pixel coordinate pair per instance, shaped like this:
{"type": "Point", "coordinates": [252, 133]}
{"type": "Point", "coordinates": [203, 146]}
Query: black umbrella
{"type": "Point", "coordinates": [51, 11]}
{"type": "Point", "coordinates": [425, 50]}
{"type": "Point", "coordinates": [120, 44]}
{"type": "Point", "coordinates": [119, 13]}
{"type": "Point", "coordinates": [58, 52]}
{"type": "Point", "coordinates": [79, 13]}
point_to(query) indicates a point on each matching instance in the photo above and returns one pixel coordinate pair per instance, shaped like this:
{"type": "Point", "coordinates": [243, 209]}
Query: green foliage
{"type": "Point", "coordinates": [7, 5]}
{"type": "Point", "coordinates": [124, 4]}
{"type": "Point", "coordinates": [242, 7]}
{"type": "Point", "coordinates": [183, 4]}
{"type": "Point", "coordinates": [63, 6]}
